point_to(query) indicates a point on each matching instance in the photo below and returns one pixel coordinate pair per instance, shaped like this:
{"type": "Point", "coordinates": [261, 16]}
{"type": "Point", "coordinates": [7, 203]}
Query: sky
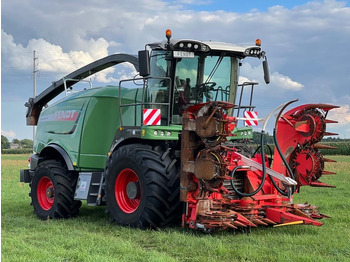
{"type": "Point", "coordinates": [306, 42]}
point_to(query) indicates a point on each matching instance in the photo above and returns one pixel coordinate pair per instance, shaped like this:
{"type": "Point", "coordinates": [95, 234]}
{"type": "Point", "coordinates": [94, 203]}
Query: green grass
{"type": "Point", "coordinates": [91, 237]}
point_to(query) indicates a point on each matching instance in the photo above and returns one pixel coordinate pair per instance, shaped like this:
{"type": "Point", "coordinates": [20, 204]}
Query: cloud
{"type": "Point", "coordinates": [192, 2]}
{"type": "Point", "coordinates": [243, 79]}
{"type": "Point", "coordinates": [16, 55]}
{"type": "Point", "coordinates": [285, 82]}
{"type": "Point", "coordinates": [278, 81]}
{"type": "Point", "coordinates": [52, 58]}
{"type": "Point", "coordinates": [8, 134]}
{"type": "Point", "coordinates": [342, 115]}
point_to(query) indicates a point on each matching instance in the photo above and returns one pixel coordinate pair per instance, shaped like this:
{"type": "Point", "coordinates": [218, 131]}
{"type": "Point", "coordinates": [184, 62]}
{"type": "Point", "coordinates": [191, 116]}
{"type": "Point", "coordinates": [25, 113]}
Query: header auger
{"type": "Point", "coordinates": [167, 145]}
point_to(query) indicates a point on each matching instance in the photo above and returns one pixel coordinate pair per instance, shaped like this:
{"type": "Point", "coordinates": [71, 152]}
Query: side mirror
{"type": "Point", "coordinates": [144, 66]}
{"type": "Point", "coordinates": [266, 71]}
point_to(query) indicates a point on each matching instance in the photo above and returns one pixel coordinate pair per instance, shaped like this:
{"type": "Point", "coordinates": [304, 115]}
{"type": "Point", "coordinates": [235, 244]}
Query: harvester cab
{"type": "Point", "coordinates": [191, 72]}
{"type": "Point", "coordinates": [178, 74]}
{"type": "Point", "coordinates": [167, 145]}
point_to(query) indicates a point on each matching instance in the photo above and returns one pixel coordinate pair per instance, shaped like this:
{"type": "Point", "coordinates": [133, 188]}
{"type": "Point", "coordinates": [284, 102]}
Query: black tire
{"type": "Point", "coordinates": [155, 179]}
{"type": "Point", "coordinates": [52, 191]}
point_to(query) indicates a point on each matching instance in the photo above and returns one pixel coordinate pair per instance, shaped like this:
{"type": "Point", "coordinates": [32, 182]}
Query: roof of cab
{"type": "Point", "coordinates": [218, 46]}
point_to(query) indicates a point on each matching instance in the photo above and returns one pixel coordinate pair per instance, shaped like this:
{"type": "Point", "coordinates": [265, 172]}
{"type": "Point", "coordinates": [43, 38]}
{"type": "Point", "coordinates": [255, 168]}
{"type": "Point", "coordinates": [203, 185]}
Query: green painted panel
{"type": "Point", "coordinates": [61, 124]}
{"type": "Point", "coordinates": [240, 133]}
{"type": "Point", "coordinates": [161, 132]}
{"type": "Point", "coordinates": [84, 124]}
{"type": "Point", "coordinates": [100, 124]}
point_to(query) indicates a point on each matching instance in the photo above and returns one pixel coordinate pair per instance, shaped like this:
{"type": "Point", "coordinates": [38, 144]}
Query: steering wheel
{"type": "Point", "coordinates": [205, 88]}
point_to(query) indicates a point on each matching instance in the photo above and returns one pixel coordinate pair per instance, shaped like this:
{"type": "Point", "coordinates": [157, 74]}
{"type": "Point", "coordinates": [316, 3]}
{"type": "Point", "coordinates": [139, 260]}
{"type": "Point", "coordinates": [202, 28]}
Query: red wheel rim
{"type": "Point", "coordinates": [125, 203]}
{"type": "Point", "coordinates": [45, 193]}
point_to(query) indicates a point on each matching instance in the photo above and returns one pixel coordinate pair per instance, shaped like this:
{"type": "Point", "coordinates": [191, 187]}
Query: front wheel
{"type": "Point", "coordinates": [142, 187]}
{"type": "Point", "coordinates": [52, 191]}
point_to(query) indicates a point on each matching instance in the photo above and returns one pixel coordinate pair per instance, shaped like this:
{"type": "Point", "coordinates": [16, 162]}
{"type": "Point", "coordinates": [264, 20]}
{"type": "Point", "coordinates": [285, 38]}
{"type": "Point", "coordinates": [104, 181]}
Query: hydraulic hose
{"type": "Point", "coordinates": [270, 152]}
{"type": "Point", "coordinates": [283, 106]}
{"type": "Point", "coordinates": [285, 163]}
{"type": "Point", "coordinates": [263, 170]}
{"type": "Point", "coordinates": [280, 152]}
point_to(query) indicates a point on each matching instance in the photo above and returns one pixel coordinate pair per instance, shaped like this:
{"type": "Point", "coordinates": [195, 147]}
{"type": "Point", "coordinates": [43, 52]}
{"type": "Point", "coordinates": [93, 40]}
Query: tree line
{"type": "Point", "coordinates": [268, 139]}
{"type": "Point", "coordinates": [342, 145]}
{"type": "Point", "coordinates": [23, 144]}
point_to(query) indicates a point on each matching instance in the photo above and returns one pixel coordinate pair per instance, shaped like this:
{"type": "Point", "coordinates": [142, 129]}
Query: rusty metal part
{"type": "Point", "coordinates": [188, 145]}
{"type": "Point", "coordinates": [210, 117]}
{"type": "Point", "coordinates": [206, 127]}
{"type": "Point", "coordinates": [207, 164]}
{"type": "Point", "coordinates": [206, 168]}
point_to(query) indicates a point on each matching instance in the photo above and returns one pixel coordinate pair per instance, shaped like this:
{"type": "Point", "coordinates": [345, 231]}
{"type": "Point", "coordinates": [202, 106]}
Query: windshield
{"type": "Point", "coordinates": [197, 79]}
{"type": "Point", "coordinates": [202, 79]}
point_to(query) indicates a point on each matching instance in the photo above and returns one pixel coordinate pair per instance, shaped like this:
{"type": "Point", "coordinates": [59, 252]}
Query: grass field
{"type": "Point", "coordinates": [91, 237]}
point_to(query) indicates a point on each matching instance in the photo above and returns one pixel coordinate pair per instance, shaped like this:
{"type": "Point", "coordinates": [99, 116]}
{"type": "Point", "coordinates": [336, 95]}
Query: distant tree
{"type": "Point", "coordinates": [268, 139]}
{"type": "Point", "coordinates": [5, 143]}
{"type": "Point", "coordinates": [16, 141]}
{"type": "Point", "coordinates": [26, 143]}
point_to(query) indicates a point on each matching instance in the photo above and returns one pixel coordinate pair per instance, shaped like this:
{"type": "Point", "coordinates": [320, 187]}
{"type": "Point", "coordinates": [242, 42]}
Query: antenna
{"type": "Point", "coordinates": [34, 74]}
{"type": "Point", "coordinates": [34, 88]}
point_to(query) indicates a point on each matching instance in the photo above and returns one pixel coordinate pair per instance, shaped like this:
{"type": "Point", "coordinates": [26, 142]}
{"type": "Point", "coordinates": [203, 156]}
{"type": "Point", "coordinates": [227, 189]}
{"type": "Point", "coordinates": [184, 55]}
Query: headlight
{"type": "Point", "coordinates": [191, 46]}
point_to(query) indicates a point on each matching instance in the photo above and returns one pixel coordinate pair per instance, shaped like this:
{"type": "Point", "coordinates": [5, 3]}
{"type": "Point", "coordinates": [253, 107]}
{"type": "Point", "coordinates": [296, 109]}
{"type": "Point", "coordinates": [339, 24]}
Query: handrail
{"type": "Point", "coordinates": [250, 107]}
{"type": "Point", "coordinates": [76, 80]}
{"type": "Point", "coordinates": [142, 103]}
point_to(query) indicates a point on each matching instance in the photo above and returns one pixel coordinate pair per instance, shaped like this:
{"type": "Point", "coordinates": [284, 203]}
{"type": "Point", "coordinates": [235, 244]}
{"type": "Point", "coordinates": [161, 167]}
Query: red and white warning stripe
{"type": "Point", "coordinates": [251, 118]}
{"type": "Point", "coordinates": [151, 117]}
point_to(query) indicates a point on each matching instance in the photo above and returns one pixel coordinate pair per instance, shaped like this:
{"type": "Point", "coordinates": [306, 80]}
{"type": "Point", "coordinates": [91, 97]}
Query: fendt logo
{"type": "Point", "coordinates": [62, 115]}
{"type": "Point", "coordinates": [66, 115]}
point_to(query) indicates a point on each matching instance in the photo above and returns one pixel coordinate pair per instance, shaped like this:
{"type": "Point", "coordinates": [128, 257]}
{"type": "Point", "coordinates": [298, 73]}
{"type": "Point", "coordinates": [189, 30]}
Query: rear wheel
{"type": "Point", "coordinates": [52, 191]}
{"type": "Point", "coordinates": [142, 187]}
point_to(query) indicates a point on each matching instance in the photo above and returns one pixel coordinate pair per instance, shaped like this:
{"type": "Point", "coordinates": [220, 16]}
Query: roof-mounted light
{"type": "Point", "coordinates": [253, 51]}
{"type": "Point", "coordinates": [191, 46]}
{"type": "Point", "coordinates": [258, 42]}
{"type": "Point", "coordinates": [168, 34]}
